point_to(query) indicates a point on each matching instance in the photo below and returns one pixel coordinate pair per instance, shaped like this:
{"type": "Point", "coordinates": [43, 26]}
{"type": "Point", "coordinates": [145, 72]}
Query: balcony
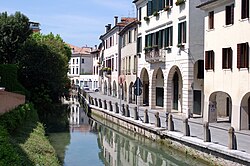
{"type": "Point", "coordinates": [155, 55]}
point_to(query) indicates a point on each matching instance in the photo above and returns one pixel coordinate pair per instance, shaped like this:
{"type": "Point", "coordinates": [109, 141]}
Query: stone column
{"type": "Point", "coordinates": [127, 111]}
{"type": "Point", "coordinates": [116, 108]}
{"type": "Point", "coordinates": [146, 119]}
{"type": "Point", "coordinates": [100, 103]}
{"type": "Point", "coordinates": [232, 143]}
{"type": "Point", "coordinates": [110, 106]}
{"type": "Point", "coordinates": [136, 115]}
{"type": "Point", "coordinates": [157, 120]}
{"type": "Point", "coordinates": [207, 134]}
{"type": "Point", "coordinates": [105, 104]}
{"type": "Point", "coordinates": [186, 129]}
{"type": "Point", "coordinates": [170, 123]}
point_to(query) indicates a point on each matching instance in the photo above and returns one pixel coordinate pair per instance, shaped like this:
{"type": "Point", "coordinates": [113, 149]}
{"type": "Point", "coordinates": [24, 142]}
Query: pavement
{"type": "Point", "coordinates": [219, 131]}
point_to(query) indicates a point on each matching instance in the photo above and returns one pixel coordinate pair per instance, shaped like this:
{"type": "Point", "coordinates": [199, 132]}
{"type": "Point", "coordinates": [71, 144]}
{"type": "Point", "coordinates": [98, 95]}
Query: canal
{"type": "Point", "coordinates": [96, 143]}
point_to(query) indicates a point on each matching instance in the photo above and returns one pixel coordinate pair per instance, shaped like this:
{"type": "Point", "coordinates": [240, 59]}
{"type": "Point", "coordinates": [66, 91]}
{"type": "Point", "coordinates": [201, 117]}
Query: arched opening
{"type": "Point", "coordinates": [145, 84]}
{"type": "Point", "coordinates": [131, 93]}
{"type": "Point", "coordinates": [220, 107]}
{"type": "Point", "coordinates": [105, 87]}
{"type": "Point", "coordinates": [157, 88]}
{"type": "Point", "coordinates": [174, 92]}
{"type": "Point", "coordinates": [245, 112]}
{"type": "Point", "coordinates": [114, 89]}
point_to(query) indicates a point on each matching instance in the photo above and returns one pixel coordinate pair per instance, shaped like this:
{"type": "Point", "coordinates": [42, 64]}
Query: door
{"type": "Point", "coordinates": [159, 96]}
{"type": "Point", "coordinates": [197, 102]}
{"type": "Point", "coordinates": [175, 91]}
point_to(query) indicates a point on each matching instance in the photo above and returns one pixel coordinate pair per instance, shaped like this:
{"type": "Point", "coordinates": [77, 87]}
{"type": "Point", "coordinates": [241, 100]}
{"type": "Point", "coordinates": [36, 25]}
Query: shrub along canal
{"type": "Point", "coordinates": [90, 142]}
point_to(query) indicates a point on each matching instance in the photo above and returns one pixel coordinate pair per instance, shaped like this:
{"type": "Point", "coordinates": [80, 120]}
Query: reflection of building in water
{"type": "Point", "coordinates": [78, 118]}
{"type": "Point", "coordinates": [118, 149]}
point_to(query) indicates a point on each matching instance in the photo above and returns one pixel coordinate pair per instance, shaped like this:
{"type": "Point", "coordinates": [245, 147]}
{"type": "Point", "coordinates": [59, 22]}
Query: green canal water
{"type": "Point", "coordinates": [92, 143]}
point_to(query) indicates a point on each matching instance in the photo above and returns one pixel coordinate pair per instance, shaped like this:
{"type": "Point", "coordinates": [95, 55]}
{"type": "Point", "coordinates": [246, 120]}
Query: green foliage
{"type": "Point", "coordinates": [44, 67]}
{"type": "Point", "coordinates": [13, 119]}
{"type": "Point", "coordinates": [14, 30]}
{"type": "Point", "coordinates": [8, 154]}
{"type": "Point", "coordinates": [8, 74]}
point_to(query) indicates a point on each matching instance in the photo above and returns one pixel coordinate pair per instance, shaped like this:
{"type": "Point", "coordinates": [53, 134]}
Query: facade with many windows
{"type": "Point", "coordinates": [80, 68]}
{"type": "Point", "coordinates": [128, 61]}
{"type": "Point", "coordinates": [110, 67]}
{"type": "Point", "coordinates": [226, 85]}
{"type": "Point", "coordinates": [170, 49]}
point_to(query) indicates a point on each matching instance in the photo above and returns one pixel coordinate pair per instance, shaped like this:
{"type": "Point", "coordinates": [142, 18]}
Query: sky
{"type": "Point", "coordinates": [78, 22]}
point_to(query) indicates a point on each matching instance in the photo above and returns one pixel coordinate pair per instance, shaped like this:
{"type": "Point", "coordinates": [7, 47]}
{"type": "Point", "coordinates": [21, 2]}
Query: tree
{"type": "Point", "coordinates": [14, 30]}
{"type": "Point", "coordinates": [44, 67]}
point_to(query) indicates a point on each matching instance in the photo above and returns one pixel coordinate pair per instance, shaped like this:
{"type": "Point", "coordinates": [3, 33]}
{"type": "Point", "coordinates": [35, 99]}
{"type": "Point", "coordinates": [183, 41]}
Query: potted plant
{"type": "Point", "coordinates": [179, 2]}
{"type": "Point", "coordinates": [167, 8]}
{"type": "Point", "coordinates": [155, 14]}
{"type": "Point", "coordinates": [180, 45]}
{"type": "Point", "coordinates": [146, 18]}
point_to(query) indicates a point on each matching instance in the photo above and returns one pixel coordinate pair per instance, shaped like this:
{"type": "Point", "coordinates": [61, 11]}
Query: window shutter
{"type": "Point", "coordinates": [160, 39]}
{"type": "Point", "coordinates": [223, 58]}
{"type": "Point", "coordinates": [154, 6]}
{"type": "Point", "coordinates": [171, 36]}
{"type": "Point", "coordinates": [212, 59]}
{"type": "Point", "coordinates": [232, 14]}
{"type": "Point", "coordinates": [247, 54]}
{"type": "Point", "coordinates": [160, 4]}
{"type": "Point", "coordinates": [228, 9]}
{"type": "Point", "coordinates": [230, 58]}
{"type": "Point", "coordinates": [184, 31]}
{"type": "Point", "coordinates": [206, 60]}
{"type": "Point", "coordinates": [179, 33]}
{"type": "Point", "coordinates": [166, 37]}
{"type": "Point", "coordinates": [149, 8]}
{"type": "Point", "coordinates": [238, 55]}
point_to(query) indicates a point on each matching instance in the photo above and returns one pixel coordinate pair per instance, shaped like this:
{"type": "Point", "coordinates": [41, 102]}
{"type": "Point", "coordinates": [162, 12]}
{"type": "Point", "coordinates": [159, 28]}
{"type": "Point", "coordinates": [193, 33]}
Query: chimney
{"type": "Point", "coordinates": [116, 20]}
{"type": "Point", "coordinates": [107, 27]}
{"type": "Point", "coordinates": [96, 47]}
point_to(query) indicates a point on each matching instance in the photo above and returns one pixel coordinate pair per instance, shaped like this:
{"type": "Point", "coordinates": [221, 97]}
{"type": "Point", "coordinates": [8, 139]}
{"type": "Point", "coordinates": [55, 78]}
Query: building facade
{"type": "Point", "coordinates": [81, 68]}
{"type": "Point", "coordinates": [170, 48]}
{"type": "Point", "coordinates": [110, 66]}
{"type": "Point", "coordinates": [226, 86]}
{"type": "Point", "coordinates": [129, 61]}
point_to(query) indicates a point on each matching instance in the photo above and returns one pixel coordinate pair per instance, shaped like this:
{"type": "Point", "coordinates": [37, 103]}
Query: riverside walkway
{"type": "Point", "coordinates": [219, 131]}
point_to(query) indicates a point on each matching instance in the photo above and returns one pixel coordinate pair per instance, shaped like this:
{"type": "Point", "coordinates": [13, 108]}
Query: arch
{"type": "Point", "coordinates": [174, 91]}
{"type": "Point", "coordinates": [220, 107]}
{"type": "Point", "coordinates": [245, 112]}
{"type": "Point", "coordinates": [157, 96]}
{"type": "Point", "coordinates": [145, 84]}
{"type": "Point", "coordinates": [114, 89]}
{"type": "Point", "coordinates": [131, 93]}
{"type": "Point", "coordinates": [105, 88]}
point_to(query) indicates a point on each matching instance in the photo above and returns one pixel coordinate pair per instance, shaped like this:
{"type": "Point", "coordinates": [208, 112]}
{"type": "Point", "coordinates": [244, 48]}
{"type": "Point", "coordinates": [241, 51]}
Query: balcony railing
{"type": "Point", "coordinates": [155, 55]}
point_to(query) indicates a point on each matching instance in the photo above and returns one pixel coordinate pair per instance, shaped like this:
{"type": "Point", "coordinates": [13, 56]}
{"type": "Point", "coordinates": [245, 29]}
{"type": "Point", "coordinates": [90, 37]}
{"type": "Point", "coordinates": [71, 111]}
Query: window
{"type": "Point", "coordinates": [182, 32]}
{"type": "Point", "coordinates": [73, 61]}
{"type": "Point", "coordinates": [209, 60]}
{"type": "Point", "coordinates": [169, 2]}
{"type": "Point", "coordinates": [149, 8]}
{"type": "Point", "coordinates": [139, 45]}
{"type": "Point", "coordinates": [123, 40]}
{"type": "Point", "coordinates": [76, 61]}
{"type": "Point", "coordinates": [129, 37]}
{"type": "Point", "coordinates": [148, 40]}
{"type": "Point", "coordinates": [244, 9]}
{"type": "Point", "coordinates": [200, 74]}
{"type": "Point", "coordinates": [230, 14]}
{"type": "Point", "coordinates": [139, 14]}
{"type": "Point", "coordinates": [211, 20]}
{"type": "Point", "coordinates": [135, 34]}
{"type": "Point", "coordinates": [242, 55]}
{"type": "Point", "coordinates": [135, 64]}
{"type": "Point", "coordinates": [129, 65]}
{"type": "Point", "coordinates": [82, 60]}
{"type": "Point", "coordinates": [227, 55]}
{"type": "Point", "coordinates": [73, 71]}
{"type": "Point", "coordinates": [77, 70]}
{"type": "Point", "coordinates": [169, 36]}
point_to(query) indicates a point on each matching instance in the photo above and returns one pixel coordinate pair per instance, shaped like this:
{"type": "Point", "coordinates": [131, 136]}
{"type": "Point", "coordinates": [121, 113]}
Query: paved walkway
{"type": "Point", "coordinates": [219, 131]}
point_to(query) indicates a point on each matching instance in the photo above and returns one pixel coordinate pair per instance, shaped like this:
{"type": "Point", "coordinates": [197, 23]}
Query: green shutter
{"type": "Point", "coordinates": [160, 4]}
{"type": "Point", "coordinates": [184, 31]}
{"type": "Point", "coordinates": [154, 5]}
{"type": "Point", "coordinates": [171, 36]}
{"type": "Point", "coordinates": [149, 8]}
{"type": "Point", "coordinates": [160, 40]}
{"type": "Point", "coordinates": [179, 33]}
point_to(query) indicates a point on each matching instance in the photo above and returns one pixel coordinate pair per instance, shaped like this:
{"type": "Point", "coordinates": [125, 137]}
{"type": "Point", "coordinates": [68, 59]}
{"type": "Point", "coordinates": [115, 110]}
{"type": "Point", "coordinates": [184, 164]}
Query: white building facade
{"type": "Point", "coordinates": [110, 66]}
{"type": "Point", "coordinates": [81, 68]}
{"type": "Point", "coordinates": [227, 37]}
{"type": "Point", "coordinates": [129, 60]}
{"type": "Point", "coordinates": [170, 47]}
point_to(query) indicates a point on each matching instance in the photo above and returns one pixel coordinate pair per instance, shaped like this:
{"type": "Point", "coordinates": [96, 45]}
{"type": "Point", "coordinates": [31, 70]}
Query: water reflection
{"type": "Point", "coordinates": [125, 148]}
{"type": "Point", "coordinates": [104, 143]}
